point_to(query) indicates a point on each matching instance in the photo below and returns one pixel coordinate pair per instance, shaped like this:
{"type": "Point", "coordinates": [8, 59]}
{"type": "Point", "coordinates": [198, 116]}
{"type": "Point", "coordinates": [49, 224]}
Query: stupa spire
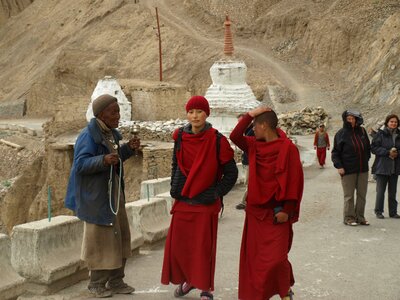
{"type": "Point", "coordinates": [228, 39]}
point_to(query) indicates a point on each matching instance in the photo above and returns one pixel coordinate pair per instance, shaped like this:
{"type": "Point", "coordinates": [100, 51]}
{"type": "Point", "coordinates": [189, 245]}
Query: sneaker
{"type": "Point", "coordinates": [241, 206]}
{"type": "Point", "coordinates": [396, 216]}
{"type": "Point", "coordinates": [100, 292]}
{"type": "Point", "coordinates": [123, 288]}
{"type": "Point", "coordinates": [380, 216]}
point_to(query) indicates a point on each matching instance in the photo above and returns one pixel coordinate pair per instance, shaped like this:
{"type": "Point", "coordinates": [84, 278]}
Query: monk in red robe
{"type": "Point", "coordinates": [275, 189]}
{"type": "Point", "coordinates": [203, 170]}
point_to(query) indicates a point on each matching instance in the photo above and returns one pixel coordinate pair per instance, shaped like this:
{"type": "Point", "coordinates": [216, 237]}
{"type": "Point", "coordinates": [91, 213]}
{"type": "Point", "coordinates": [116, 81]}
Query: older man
{"type": "Point", "coordinates": [96, 194]}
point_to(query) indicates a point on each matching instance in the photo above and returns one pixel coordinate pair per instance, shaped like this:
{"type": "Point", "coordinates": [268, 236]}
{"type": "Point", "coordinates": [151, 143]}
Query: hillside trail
{"type": "Point", "coordinates": [312, 87]}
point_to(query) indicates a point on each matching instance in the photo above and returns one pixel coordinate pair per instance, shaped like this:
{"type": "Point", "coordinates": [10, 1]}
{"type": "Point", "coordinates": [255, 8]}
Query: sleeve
{"type": "Point", "coordinates": [229, 169]}
{"type": "Point", "coordinates": [376, 146]}
{"type": "Point", "coordinates": [125, 152]}
{"type": "Point", "coordinates": [87, 160]}
{"type": "Point", "coordinates": [229, 177]}
{"type": "Point", "coordinates": [228, 180]}
{"type": "Point", "coordinates": [289, 207]}
{"type": "Point", "coordinates": [292, 185]}
{"type": "Point", "coordinates": [237, 135]}
{"type": "Point", "coordinates": [336, 151]}
{"type": "Point", "coordinates": [315, 139]}
{"type": "Point", "coordinates": [367, 144]}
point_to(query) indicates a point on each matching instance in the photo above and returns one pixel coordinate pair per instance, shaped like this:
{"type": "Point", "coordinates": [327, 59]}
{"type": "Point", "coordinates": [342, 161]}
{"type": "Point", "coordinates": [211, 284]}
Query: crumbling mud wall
{"type": "Point", "coordinates": [16, 205]}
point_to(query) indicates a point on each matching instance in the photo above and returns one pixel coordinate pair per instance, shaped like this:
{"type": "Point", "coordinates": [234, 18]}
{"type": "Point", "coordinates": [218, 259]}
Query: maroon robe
{"type": "Point", "coordinates": [190, 247]}
{"type": "Point", "coordinates": [275, 179]}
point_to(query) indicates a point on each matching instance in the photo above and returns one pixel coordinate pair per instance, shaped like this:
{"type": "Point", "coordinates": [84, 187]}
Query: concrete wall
{"type": "Point", "coordinates": [47, 253]}
{"type": "Point", "coordinates": [11, 284]}
{"type": "Point", "coordinates": [151, 217]}
{"type": "Point", "coordinates": [151, 188]}
{"type": "Point", "coordinates": [45, 256]}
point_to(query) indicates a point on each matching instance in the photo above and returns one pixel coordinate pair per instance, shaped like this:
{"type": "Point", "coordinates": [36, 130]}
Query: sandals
{"type": "Point", "coordinates": [206, 296]}
{"type": "Point", "coordinates": [179, 292]}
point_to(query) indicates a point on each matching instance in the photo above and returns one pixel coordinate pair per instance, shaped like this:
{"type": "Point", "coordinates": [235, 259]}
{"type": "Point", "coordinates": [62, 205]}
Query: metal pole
{"type": "Point", "coordinates": [49, 202]}
{"type": "Point", "coordinates": [159, 43]}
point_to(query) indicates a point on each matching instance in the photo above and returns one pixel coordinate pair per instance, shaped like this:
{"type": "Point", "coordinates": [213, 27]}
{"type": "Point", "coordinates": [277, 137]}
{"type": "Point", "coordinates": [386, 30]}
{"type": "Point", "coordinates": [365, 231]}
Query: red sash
{"type": "Point", "coordinates": [197, 159]}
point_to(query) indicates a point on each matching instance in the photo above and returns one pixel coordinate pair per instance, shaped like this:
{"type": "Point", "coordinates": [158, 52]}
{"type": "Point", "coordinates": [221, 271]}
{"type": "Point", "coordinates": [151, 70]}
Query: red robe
{"type": "Point", "coordinates": [275, 179]}
{"type": "Point", "coordinates": [190, 247]}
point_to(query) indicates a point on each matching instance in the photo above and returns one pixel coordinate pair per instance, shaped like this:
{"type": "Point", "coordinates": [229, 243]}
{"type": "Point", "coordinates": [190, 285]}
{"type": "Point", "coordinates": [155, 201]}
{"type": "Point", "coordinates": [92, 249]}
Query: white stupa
{"type": "Point", "coordinates": [109, 85]}
{"type": "Point", "coordinates": [229, 94]}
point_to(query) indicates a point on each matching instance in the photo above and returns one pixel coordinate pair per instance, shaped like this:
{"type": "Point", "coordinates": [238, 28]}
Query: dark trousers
{"type": "Point", "coordinates": [99, 278]}
{"type": "Point", "coordinates": [381, 182]}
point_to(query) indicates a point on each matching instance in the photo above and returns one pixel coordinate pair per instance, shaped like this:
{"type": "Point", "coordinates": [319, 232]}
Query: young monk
{"type": "Point", "coordinates": [203, 170]}
{"type": "Point", "coordinates": [275, 190]}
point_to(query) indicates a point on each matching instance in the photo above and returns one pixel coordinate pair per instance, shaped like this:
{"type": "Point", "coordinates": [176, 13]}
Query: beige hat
{"type": "Point", "coordinates": [101, 102]}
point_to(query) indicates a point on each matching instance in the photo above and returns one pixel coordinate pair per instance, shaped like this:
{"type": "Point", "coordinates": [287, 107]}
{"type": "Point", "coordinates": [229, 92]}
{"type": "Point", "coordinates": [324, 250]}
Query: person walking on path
{"type": "Point", "coordinates": [386, 167]}
{"type": "Point", "coordinates": [245, 164]}
{"type": "Point", "coordinates": [96, 194]}
{"type": "Point", "coordinates": [321, 144]}
{"type": "Point", "coordinates": [203, 171]}
{"type": "Point", "coordinates": [350, 155]}
{"type": "Point", "coordinates": [275, 189]}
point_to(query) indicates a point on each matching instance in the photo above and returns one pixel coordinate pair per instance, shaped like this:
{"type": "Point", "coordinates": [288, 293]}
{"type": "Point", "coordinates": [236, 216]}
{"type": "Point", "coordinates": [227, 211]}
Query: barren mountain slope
{"type": "Point", "coordinates": [56, 50]}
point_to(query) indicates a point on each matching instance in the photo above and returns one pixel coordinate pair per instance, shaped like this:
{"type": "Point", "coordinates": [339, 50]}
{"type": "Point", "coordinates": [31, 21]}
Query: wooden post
{"type": "Point", "coordinates": [159, 43]}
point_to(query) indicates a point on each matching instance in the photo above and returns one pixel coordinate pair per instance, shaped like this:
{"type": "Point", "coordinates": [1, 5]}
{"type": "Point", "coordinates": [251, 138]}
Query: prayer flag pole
{"type": "Point", "coordinates": [49, 202]}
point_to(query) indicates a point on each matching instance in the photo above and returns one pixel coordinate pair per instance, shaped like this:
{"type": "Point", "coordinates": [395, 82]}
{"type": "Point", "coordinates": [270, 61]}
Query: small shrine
{"type": "Point", "coordinates": [229, 94]}
{"type": "Point", "coordinates": [109, 85]}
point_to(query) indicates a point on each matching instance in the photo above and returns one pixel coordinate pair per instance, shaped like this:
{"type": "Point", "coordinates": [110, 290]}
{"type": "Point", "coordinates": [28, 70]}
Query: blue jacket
{"type": "Point", "coordinates": [87, 192]}
{"type": "Point", "coordinates": [381, 145]}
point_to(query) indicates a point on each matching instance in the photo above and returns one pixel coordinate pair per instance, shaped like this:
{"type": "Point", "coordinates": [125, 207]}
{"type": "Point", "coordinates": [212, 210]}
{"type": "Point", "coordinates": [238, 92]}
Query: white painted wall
{"type": "Point", "coordinates": [109, 85]}
{"type": "Point", "coordinates": [229, 94]}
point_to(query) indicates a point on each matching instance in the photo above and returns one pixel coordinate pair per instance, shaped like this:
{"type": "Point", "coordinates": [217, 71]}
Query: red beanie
{"type": "Point", "coordinates": [198, 102]}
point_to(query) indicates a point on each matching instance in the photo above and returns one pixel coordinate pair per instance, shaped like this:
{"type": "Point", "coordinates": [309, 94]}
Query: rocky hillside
{"type": "Point", "coordinates": [55, 51]}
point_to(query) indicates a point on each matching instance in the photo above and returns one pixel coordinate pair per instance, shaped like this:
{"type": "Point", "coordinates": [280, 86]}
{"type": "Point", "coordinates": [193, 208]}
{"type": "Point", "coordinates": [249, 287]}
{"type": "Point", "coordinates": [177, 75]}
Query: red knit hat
{"type": "Point", "coordinates": [198, 102]}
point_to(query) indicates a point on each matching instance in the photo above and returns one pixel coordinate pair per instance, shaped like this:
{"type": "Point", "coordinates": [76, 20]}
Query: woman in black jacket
{"type": "Point", "coordinates": [386, 167]}
{"type": "Point", "coordinates": [350, 155]}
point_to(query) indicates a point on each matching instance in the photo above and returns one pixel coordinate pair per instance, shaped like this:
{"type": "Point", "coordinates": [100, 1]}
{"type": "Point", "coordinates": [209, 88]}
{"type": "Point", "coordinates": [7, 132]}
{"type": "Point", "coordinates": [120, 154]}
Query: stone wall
{"type": "Point", "coordinates": [15, 109]}
{"type": "Point", "coordinates": [154, 100]}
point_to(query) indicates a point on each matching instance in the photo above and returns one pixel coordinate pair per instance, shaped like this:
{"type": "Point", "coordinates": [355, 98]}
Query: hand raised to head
{"type": "Point", "coordinates": [258, 111]}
